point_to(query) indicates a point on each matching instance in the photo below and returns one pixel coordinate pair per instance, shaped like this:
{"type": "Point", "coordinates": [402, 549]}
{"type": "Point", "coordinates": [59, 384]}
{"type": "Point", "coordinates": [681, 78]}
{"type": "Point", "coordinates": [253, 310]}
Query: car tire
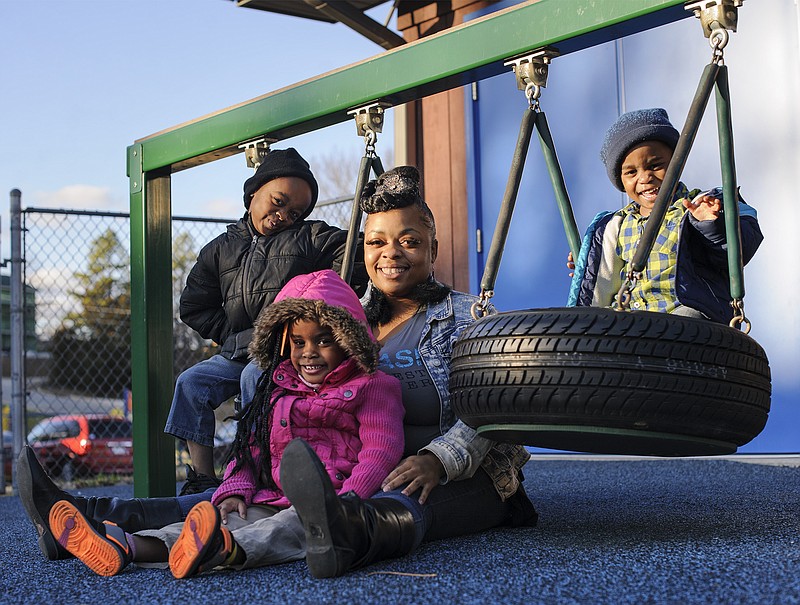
{"type": "Point", "coordinates": [597, 380]}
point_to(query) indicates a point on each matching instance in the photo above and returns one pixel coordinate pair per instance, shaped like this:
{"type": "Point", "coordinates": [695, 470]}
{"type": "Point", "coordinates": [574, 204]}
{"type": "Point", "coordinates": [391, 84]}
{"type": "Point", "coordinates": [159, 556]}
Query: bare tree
{"type": "Point", "coordinates": [336, 170]}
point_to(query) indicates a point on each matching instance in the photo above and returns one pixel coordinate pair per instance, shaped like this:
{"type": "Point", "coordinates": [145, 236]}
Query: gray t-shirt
{"type": "Point", "coordinates": [400, 358]}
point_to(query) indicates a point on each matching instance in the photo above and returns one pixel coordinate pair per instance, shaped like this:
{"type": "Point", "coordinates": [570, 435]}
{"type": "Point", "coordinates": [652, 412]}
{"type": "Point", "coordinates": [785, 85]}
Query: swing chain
{"type": "Point", "coordinates": [480, 308]}
{"type": "Point", "coordinates": [370, 138]}
{"type": "Point", "coordinates": [718, 40]}
{"type": "Point", "coordinates": [624, 295]}
{"type": "Point", "coordinates": [739, 318]}
{"type": "Point", "coordinates": [532, 93]}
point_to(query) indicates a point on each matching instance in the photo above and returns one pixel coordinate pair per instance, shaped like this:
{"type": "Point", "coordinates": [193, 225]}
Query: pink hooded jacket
{"type": "Point", "coordinates": [353, 420]}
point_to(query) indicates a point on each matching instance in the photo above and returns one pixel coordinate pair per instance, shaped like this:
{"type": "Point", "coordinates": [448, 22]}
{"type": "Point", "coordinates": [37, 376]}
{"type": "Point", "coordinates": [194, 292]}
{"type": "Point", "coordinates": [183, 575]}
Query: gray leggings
{"type": "Point", "coordinates": [268, 536]}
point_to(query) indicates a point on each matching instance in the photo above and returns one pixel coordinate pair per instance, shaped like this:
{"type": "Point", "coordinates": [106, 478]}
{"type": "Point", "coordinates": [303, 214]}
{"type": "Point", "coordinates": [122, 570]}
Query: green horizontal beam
{"type": "Point", "coordinates": [457, 56]}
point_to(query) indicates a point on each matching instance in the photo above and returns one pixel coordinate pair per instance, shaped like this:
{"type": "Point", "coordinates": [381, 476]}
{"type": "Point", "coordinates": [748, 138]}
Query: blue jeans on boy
{"type": "Point", "coordinates": [201, 389]}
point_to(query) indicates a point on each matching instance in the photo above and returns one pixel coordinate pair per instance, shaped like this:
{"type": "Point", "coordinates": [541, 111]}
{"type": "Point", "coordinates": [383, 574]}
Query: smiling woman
{"type": "Point", "coordinates": [451, 482]}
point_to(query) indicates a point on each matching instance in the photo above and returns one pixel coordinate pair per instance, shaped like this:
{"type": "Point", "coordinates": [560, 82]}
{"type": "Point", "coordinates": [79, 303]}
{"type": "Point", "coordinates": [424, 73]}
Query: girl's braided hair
{"type": "Point", "coordinates": [394, 189]}
{"type": "Point", "coordinates": [255, 421]}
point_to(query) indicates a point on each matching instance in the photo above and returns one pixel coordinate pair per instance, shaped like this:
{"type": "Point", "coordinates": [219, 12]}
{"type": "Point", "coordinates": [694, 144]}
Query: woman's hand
{"type": "Point", "coordinates": [571, 264]}
{"type": "Point", "coordinates": [704, 207]}
{"type": "Point", "coordinates": [420, 472]}
{"type": "Point", "coordinates": [232, 504]}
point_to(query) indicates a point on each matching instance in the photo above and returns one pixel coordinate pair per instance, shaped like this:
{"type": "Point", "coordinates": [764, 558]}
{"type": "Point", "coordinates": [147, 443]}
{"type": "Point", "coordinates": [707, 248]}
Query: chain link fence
{"type": "Point", "coordinates": [76, 317]}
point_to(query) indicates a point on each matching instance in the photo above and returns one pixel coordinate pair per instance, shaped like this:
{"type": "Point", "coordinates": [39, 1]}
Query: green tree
{"type": "Point", "coordinates": [91, 350]}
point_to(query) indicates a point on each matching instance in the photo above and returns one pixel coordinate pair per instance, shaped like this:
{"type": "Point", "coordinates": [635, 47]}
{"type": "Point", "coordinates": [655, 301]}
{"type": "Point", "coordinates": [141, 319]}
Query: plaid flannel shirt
{"type": "Point", "coordinates": [656, 290]}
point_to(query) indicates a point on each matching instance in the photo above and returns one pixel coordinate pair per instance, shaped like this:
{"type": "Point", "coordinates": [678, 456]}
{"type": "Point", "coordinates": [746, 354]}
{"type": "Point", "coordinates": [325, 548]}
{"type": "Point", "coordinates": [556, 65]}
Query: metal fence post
{"type": "Point", "coordinates": [17, 351]}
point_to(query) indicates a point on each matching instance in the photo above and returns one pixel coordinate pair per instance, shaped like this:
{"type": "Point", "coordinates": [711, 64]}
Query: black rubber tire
{"type": "Point", "coordinates": [597, 380]}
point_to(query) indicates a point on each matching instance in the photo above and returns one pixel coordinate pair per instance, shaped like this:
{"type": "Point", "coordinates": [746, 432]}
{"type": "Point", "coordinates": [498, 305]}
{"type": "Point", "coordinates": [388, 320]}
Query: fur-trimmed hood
{"type": "Point", "coordinates": [323, 297]}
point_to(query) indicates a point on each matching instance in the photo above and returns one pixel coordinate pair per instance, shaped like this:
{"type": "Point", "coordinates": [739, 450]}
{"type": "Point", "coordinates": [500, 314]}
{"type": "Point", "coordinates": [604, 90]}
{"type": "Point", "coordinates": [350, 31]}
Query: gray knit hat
{"type": "Point", "coordinates": [631, 129]}
{"type": "Point", "coordinates": [278, 163]}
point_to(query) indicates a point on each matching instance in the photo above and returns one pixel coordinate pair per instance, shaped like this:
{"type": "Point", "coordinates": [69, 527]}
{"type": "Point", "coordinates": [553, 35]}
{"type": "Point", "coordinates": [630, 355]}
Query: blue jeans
{"type": "Point", "coordinates": [249, 381]}
{"type": "Point", "coordinates": [201, 389]}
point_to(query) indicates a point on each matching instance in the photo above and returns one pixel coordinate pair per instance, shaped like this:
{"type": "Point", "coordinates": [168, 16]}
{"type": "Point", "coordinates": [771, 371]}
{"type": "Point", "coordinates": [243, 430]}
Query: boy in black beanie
{"type": "Point", "coordinates": [687, 270]}
{"type": "Point", "coordinates": [236, 275]}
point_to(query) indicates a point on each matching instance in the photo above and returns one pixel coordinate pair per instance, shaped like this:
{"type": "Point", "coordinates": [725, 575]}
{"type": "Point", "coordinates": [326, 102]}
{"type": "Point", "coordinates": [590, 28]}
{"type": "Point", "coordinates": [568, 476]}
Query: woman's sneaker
{"type": "Point", "coordinates": [203, 544]}
{"type": "Point", "coordinates": [103, 547]}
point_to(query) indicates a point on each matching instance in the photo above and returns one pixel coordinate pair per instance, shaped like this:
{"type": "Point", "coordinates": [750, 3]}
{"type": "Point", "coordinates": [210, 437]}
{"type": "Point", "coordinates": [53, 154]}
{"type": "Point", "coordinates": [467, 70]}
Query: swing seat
{"type": "Point", "coordinates": [598, 380]}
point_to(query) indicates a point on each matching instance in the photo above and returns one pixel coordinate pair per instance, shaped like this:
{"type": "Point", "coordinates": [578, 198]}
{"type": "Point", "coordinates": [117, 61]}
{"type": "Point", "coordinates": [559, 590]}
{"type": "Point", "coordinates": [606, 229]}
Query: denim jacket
{"type": "Point", "coordinates": [459, 447]}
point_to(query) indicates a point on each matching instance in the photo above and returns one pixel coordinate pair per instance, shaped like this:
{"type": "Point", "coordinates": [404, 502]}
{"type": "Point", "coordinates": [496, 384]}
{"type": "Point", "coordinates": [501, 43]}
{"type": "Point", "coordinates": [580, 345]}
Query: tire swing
{"type": "Point", "coordinates": [611, 380]}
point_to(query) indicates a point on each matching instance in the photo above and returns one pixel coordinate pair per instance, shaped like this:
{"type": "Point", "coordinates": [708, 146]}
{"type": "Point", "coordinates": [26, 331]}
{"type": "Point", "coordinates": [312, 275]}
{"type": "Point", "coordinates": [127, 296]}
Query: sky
{"type": "Point", "coordinates": [83, 79]}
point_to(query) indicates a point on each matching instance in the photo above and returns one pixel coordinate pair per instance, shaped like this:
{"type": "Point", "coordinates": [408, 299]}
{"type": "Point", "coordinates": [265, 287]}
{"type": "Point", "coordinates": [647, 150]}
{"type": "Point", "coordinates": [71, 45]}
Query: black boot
{"type": "Point", "coordinates": [342, 533]}
{"type": "Point", "coordinates": [38, 494]}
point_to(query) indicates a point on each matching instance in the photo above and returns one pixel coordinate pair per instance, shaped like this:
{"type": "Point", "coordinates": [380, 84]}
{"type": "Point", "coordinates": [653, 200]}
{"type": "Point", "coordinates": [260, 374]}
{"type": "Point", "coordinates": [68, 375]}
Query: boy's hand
{"type": "Point", "coordinates": [230, 505]}
{"type": "Point", "coordinates": [704, 207]}
{"type": "Point", "coordinates": [571, 264]}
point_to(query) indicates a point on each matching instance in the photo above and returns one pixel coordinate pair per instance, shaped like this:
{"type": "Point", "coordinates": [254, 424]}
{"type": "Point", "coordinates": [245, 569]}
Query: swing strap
{"type": "Point", "coordinates": [532, 118]}
{"type": "Point", "coordinates": [369, 122]}
{"type": "Point", "coordinates": [714, 77]}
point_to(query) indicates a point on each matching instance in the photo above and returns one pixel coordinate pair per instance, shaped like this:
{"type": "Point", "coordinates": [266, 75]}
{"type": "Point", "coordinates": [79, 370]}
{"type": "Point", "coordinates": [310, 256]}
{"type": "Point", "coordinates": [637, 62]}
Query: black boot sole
{"type": "Point", "coordinates": [47, 541]}
{"type": "Point", "coordinates": [309, 489]}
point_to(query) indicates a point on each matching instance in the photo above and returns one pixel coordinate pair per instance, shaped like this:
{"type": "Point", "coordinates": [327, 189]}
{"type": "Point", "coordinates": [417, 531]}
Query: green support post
{"type": "Point", "coordinates": [151, 328]}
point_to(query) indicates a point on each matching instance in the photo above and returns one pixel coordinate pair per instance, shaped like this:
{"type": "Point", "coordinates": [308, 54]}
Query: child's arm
{"type": "Point", "coordinates": [201, 300]}
{"type": "Point", "coordinates": [241, 483]}
{"type": "Point", "coordinates": [380, 419]}
{"type": "Point", "coordinates": [330, 243]}
{"type": "Point", "coordinates": [706, 208]}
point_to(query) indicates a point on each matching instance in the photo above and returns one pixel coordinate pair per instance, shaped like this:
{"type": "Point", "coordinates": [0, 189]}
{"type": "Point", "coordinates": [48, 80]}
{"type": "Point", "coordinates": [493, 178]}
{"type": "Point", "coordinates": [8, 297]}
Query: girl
{"type": "Point", "coordinates": [327, 392]}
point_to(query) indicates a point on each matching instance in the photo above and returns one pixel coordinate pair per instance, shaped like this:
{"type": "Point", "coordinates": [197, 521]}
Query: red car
{"type": "Point", "coordinates": [87, 444]}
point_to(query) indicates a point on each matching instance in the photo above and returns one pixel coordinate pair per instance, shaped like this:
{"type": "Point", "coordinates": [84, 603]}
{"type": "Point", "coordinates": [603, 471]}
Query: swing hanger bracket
{"type": "Point", "coordinates": [256, 150]}
{"type": "Point", "coordinates": [716, 14]}
{"type": "Point", "coordinates": [369, 119]}
{"type": "Point", "coordinates": [532, 68]}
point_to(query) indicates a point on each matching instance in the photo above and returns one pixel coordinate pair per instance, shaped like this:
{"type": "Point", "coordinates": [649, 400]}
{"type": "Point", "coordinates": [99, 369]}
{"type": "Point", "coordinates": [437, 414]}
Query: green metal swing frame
{"type": "Point", "coordinates": [455, 57]}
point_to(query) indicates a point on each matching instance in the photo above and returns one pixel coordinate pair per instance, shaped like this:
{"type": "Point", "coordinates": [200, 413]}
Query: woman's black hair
{"type": "Point", "coordinates": [394, 189]}
{"type": "Point", "coordinates": [254, 422]}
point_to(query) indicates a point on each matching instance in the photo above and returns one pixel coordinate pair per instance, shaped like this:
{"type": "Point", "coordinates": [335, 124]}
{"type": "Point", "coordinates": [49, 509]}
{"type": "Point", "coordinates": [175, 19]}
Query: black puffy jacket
{"type": "Point", "coordinates": [240, 271]}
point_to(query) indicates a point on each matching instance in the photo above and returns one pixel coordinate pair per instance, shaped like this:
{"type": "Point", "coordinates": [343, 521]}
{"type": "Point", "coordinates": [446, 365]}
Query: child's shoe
{"type": "Point", "coordinates": [203, 543]}
{"type": "Point", "coordinates": [103, 547]}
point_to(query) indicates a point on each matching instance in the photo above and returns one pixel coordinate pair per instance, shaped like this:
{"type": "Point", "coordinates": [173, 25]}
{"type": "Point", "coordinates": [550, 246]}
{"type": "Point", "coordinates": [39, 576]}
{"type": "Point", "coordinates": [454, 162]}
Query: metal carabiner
{"type": "Point", "coordinates": [718, 40]}
{"type": "Point", "coordinates": [739, 317]}
{"type": "Point", "coordinates": [370, 138]}
{"type": "Point", "coordinates": [480, 308]}
{"type": "Point", "coordinates": [624, 294]}
{"type": "Point", "coordinates": [532, 93]}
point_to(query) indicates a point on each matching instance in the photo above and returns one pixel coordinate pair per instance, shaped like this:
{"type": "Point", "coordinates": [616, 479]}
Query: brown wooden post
{"type": "Point", "coordinates": [436, 141]}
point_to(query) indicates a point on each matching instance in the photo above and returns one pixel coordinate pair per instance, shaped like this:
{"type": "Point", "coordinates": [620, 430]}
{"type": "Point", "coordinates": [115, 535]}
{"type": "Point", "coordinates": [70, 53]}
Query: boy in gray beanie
{"type": "Point", "coordinates": [687, 270]}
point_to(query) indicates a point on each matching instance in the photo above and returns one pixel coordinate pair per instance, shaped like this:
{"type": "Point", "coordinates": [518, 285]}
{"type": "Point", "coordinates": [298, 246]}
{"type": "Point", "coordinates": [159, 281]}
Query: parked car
{"type": "Point", "coordinates": [82, 445]}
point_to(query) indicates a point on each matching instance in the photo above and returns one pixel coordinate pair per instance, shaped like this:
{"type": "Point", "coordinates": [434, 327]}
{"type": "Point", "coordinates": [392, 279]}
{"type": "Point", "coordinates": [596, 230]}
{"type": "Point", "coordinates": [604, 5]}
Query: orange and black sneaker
{"type": "Point", "coordinates": [203, 543]}
{"type": "Point", "coordinates": [103, 547]}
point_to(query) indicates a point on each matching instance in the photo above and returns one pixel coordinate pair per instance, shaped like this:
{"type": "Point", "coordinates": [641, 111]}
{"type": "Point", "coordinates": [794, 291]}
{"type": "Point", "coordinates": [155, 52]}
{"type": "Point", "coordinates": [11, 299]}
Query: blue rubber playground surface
{"type": "Point", "coordinates": [682, 531]}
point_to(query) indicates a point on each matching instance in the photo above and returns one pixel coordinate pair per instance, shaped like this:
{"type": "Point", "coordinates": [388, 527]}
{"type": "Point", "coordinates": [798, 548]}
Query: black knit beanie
{"type": "Point", "coordinates": [278, 163]}
{"type": "Point", "coordinates": [631, 129]}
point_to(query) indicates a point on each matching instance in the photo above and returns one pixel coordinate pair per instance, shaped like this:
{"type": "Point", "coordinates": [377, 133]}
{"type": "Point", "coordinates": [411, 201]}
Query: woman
{"type": "Point", "coordinates": [451, 482]}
